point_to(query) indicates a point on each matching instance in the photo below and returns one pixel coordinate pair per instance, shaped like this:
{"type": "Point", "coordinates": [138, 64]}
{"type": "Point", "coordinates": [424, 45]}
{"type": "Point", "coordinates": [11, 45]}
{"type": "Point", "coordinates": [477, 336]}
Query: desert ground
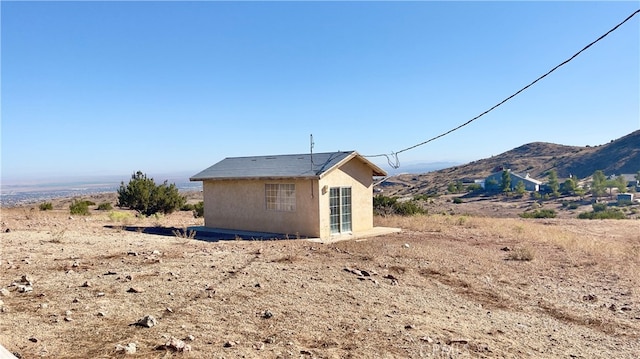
{"type": "Point", "coordinates": [453, 284]}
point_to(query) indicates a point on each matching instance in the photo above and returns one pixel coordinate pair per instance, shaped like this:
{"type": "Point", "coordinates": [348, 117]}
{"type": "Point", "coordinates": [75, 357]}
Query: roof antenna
{"type": "Point", "coordinates": [311, 149]}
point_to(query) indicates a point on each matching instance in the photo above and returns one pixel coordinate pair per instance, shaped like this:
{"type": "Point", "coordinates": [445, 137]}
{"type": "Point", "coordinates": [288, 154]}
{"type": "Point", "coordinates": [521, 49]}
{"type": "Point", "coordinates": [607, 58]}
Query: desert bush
{"type": "Point", "coordinates": [187, 207]}
{"type": "Point", "coordinates": [106, 206]}
{"type": "Point", "coordinates": [539, 213]}
{"type": "Point", "coordinates": [408, 208]}
{"type": "Point", "coordinates": [383, 205]}
{"type": "Point", "coordinates": [79, 207]}
{"type": "Point", "coordinates": [143, 195]}
{"type": "Point", "coordinates": [120, 216]}
{"type": "Point", "coordinates": [46, 206]}
{"type": "Point", "coordinates": [570, 205]}
{"type": "Point", "coordinates": [198, 209]}
{"type": "Point", "coordinates": [457, 200]}
{"type": "Point", "coordinates": [520, 254]}
{"type": "Point", "coordinates": [89, 203]}
{"type": "Point", "coordinates": [603, 214]}
{"type": "Point", "coordinates": [599, 207]}
{"type": "Point", "coordinates": [474, 187]}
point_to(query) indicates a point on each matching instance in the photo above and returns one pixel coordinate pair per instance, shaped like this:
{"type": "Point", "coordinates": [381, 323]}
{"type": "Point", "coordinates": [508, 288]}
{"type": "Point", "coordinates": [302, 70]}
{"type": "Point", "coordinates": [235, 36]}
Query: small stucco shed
{"type": "Point", "coordinates": [316, 195]}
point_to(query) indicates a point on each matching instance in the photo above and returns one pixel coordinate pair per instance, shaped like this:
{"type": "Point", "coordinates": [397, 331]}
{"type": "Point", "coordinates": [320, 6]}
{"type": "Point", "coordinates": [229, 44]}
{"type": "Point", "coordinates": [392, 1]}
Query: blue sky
{"type": "Point", "coordinates": [108, 88]}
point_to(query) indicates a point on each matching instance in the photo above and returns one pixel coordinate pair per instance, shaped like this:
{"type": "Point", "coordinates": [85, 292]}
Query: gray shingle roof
{"type": "Point", "coordinates": [280, 166]}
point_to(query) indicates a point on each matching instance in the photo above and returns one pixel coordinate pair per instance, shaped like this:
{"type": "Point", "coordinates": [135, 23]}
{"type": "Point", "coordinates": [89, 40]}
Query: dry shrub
{"type": "Point", "coordinates": [520, 254]}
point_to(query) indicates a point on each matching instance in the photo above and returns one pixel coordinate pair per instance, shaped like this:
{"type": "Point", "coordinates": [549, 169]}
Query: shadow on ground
{"type": "Point", "coordinates": [210, 235]}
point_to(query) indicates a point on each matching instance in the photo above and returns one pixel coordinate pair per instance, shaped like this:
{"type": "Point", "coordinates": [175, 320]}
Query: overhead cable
{"type": "Point", "coordinates": [393, 159]}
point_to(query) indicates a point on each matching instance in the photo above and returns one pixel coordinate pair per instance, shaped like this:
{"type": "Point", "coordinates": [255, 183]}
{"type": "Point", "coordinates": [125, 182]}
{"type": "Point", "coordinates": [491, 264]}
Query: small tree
{"type": "Point", "coordinates": [143, 195]}
{"type": "Point", "coordinates": [553, 183]}
{"type": "Point", "coordinates": [598, 184]}
{"type": "Point", "coordinates": [520, 188]}
{"type": "Point", "coordinates": [505, 186]}
{"type": "Point", "coordinates": [569, 186]}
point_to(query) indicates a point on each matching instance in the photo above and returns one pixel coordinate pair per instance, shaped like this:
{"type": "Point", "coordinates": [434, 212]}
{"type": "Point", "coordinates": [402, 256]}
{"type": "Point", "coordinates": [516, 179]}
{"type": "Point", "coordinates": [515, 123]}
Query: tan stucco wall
{"type": "Point", "coordinates": [240, 204]}
{"type": "Point", "coordinates": [359, 177]}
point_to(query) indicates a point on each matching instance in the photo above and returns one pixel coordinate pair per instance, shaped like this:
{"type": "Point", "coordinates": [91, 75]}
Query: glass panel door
{"type": "Point", "coordinates": [340, 207]}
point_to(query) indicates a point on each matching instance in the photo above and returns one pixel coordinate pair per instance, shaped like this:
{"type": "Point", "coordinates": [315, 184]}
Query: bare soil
{"type": "Point", "coordinates": [451, 284]}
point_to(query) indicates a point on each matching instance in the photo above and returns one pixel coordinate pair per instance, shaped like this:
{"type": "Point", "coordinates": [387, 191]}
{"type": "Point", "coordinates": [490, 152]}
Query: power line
{"type": "Point", "coordinates": [393, 159]}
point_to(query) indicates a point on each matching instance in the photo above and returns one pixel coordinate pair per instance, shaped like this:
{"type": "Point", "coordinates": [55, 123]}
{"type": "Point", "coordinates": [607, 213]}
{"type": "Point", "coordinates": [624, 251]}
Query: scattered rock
{"type": "Point", "coordinates": [7, 230]}
{"type": "Point", "coordinates": [100, 294]}
{"type": "Point", "coordinates": [68, 319]}
{"type": "Point", "coordinates": [147, 321]}
{"type": "Point", "coordinates": [102, 314]}
{"type": "Point", "coordinates": [86, 284]}
{"type": "Point", "coordinates": [427, 339]}
{"type": "Point", "coordinates": [44, 305]}
{"type": "Point", "coordinates": [270, 340]}
{"type": "Point", "coordinates": [33, 339]}
{"type": "Point", "coordinates": [590, 298]}
{"type": "Point", "coordinates": [409, 326]}
{"type": "Point", "coordinates": [155, 252]}
{"type": "Point", "coordinates": [505, 249]}
{"type": "Point", "coordinates": [75, 300]}
{"type": "Point", "coordinates": [110, 273]}
{"type": "Point", "coordinates": [230, 344]}
{"type": "Point", "coordinates": [134, 290]}
{"type": "Point", "coordinates": [131, 253]}
{"type": "Point", "coordinates": [176, 345]}
{"type": "Point", "coordinates": [406, 245]}
{"type": "Point", "coordinates": [258, 346]}
{"type": "Point", "coordinates": [24, 288]}
{"type": "Point", "coordinates": [127, 349]}
{"type": "Point", "coordinates": [4, 292]}
{"type": "Point", "coordinates": [457, 341]}
{"type": "Point", "coordinates": [190, 338]}
{"type": "Point", "coordinates": [267, 314]}
{"type": "Point", "coordinates": [305, 352]}
{"type": "Point", "coordinates": [27, 280]}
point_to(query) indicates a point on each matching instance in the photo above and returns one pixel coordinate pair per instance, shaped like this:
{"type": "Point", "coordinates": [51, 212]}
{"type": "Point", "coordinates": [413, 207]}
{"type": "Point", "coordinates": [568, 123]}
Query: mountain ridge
{"type": "Point", "coordinates": [536, 158]}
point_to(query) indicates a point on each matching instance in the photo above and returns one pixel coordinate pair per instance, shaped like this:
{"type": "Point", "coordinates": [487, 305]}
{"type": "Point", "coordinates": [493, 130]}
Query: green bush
{"type": "Point", "coordinates": [599, 207]}
{"type": "Point", "coordinates": [187, 207]}
{"type": "Point", "coordinates": [457, 200]}
{"type": "Point", "coordinates": [389, 205]}
{"type": "Point", "coordinates": [143, 195]}
{"type": "Point", "coordinates": [79, 207]}
{"type": "Point", "coordinates": [475, 187]}
{"type": "Point", "coordinates": [408, 208]}
{"type": "Point", "coordinates": [106, 206]}
{"type": "Point", "coordinates": [198, 209]}
{"type": "Point", "coordinates": [605, 214]}
{"type": "Point", "coordinates": [46, 206]}
{"type": "Point", "coordinates": [539, 213]}
{"type": "Point", "coordinates": [89, 203]}
{"type": "Point", "coordinates": [570, 205]}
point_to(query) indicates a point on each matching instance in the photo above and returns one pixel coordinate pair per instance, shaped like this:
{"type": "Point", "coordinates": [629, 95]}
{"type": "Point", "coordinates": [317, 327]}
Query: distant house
{"type": "Point", "coordinates": [321, 195]}
{"type": "Point", "coordinates": [494, 181]}
{"type": "Point", "coordinates": [629, 178]}
{"type": "Point", "coordinates": [624, 197]}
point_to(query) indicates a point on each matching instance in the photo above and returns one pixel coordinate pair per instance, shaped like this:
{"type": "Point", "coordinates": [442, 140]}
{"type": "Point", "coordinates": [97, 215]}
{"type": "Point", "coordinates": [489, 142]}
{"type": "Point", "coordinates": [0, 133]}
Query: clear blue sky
{"type": "Point", "coordinates": [107, 88]}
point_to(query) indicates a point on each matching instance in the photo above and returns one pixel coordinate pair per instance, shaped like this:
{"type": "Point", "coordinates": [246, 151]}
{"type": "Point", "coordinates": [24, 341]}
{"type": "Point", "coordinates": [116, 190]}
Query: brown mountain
{"type": "Point", "coordinates": [537, 158]}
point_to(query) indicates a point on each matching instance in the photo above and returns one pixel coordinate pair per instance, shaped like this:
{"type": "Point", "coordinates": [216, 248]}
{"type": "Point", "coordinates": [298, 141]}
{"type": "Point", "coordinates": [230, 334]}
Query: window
{"type": "Point", "coordinates": [280, 197]}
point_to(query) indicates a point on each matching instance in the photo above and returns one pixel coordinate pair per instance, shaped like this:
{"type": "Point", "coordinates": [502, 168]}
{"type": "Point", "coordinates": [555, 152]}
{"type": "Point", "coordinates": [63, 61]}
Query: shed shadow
{"type": "Point", "coordinates": [202, 233]}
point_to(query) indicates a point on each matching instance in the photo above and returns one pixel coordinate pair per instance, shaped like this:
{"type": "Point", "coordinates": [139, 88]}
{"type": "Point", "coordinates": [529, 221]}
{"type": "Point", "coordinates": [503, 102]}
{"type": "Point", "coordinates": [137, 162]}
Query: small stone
{"type": "Point", "coordinates": [24, 288]}
{"type": "Point", "coordinates": [127, 349]}
{"type": "Point", "coordinates": [4, 292]}
{"type": "Point", "coordinates": [44, 305]}
{"type": "Point", "coordinates": [68, 319]}
{"type": "Point", "coordinates": [169, 310]}
{"type": "Point", "coordinates": [267, 314]}
{"type": "Point", "coordinates": [86, 284]}
{"type": "Point", "coordinates": [177, 345]}
{"type": "Point", "coordinates": [406, 245]}
{"type": "Point", "coordinates": [505, 249]}
{"type": "Point", "coordinates": [75, 300]}
{"type": "Point", "coordinates": [135, 254]}
{"type": "Point", "coordinates": [156, 252]}
{"type": "Point", "coordinates": [147, 321]}
{"type": "Point", "coordinates": [190, 338]}
{"type": "Point", "coordinates": [7, 230]}
{"type": "Point", "coordinates": [590, 298]}
{"type": "Point", "coordinates": [134, 290]}
{"type": "Point", "coordinates": [100, 294]}
{"type": "Point", "coordinates": [427, 339]}
{"type": "Point", "coordinates": [409, 326]}
{"type": "Point", "coordinates": [229, 344]}
{"type": "Point", "coordinates": [33, 339]}
{"type": "Point", "coordinates": [270, 340]}
{"type": "Point", "coordinates": [102, 314]}
{"type": "Point", "coordinates": [258, 346]}
{"type": "Point", "coordinates": [27, 280]}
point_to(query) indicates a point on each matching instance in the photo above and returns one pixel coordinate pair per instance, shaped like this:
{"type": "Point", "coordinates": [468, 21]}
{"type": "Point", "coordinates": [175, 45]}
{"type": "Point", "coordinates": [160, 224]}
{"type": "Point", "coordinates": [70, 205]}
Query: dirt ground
{"type": "Point", "coordinates": [448, 286]}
